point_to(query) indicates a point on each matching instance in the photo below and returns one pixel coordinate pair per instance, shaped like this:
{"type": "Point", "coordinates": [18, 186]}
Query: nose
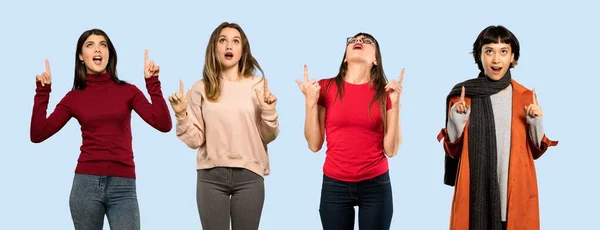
{"type": "Point", "coordinates": [97, 49]}
{"type": "Point", "coordinates": [496, 58]}
{"type": "Point", "coordinates": [227, 46]}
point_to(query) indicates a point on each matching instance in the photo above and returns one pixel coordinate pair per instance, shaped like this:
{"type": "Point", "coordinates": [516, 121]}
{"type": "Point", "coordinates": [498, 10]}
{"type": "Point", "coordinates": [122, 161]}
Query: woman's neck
{"type": "Point", "coordinates": [231, 74]}
{"type": "Point", "coordinates": [358, 74]}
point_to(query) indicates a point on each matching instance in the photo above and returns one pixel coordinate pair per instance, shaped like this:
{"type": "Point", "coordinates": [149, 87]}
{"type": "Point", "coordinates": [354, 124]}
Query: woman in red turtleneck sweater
{"type": "Point", "coordinates": [104, 182]}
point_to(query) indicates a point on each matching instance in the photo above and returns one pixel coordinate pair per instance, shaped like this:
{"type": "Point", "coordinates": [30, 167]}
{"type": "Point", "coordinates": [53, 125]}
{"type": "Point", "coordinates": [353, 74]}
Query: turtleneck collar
{"type": "Point", "coordinates": [96, 79]}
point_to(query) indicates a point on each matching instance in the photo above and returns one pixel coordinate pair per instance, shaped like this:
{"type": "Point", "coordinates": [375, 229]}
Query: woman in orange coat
{"type": "Point", "coordinates": [493, 133]}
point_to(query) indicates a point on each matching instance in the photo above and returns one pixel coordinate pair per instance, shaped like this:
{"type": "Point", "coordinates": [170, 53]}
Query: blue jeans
{"type": "Point", "coordinates": [93, 196]}
{"type": "Point", "coordinates": [373, 198]}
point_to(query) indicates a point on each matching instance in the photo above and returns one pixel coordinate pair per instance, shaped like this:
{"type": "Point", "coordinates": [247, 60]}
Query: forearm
{"type": "Point", "coordinates": [456, 123]}
{"type": "Point", "coordinates": [269, 125]}
{"type": "Point", "coordinates": [312, 127]}
{"type": "Point", "coordinates": [161, 116]}
{"type": "Point", "coordinates": [536, 130]}
{"type": "Point", "coordinates": [43, 127]}
{"type": "Point", "coordinates": [189, 131]}
{"type": "Point", "coordinates": [393, 135]}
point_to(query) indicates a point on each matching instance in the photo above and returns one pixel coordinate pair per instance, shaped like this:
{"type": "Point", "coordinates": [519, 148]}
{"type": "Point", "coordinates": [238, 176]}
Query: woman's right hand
{"type": "Point", "coordinates": [46, 77]}
{"type": "Point", "coordinates": [310, 88]}
{"type": "Point", "coordinates": [178, 102]}
{"type": "Point", "coordinates": [461, 105]}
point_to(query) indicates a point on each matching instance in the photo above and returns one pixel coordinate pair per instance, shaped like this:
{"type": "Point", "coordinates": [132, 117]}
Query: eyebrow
{"type": "Point", "coordinates": [223, 36]}
{"type": "Point", "coordinates": [503, 48]}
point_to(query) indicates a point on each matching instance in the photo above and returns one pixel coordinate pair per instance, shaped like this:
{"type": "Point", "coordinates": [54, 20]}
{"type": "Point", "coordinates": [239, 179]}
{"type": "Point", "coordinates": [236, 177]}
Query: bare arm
{"type": "Point", "coordinates": [314, 128]}
{"type": "Point", "coordinates": [393, 135]}
{"type": "Point", "coordinates": [314, 121]}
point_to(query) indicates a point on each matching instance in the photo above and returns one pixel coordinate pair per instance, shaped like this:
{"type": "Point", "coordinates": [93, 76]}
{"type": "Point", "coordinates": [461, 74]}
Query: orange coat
{"type": "Point", "coordinates": [523, 208]}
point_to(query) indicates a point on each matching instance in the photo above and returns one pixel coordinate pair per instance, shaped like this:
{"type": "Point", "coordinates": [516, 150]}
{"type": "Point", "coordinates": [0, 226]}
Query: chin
{"type": "Point", "coordinates": [227, 65]}
{"type": "Point", "coordinates": [495, 77]}
{"type": "Point", "coordinates": [358, 60]}
{"type": "Point", "coordinates": [96, 71]}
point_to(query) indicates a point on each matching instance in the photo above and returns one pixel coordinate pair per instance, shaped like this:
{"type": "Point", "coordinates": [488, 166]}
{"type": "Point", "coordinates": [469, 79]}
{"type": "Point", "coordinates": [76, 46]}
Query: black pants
{"type": "Point", "coordinates": [230, 195]}
{"type": "Point", "coordinates": [373, 198]}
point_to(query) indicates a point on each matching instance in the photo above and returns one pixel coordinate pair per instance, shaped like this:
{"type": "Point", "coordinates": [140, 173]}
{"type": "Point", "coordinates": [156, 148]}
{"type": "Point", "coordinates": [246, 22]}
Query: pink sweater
{"type": "Point", "coordinates": [232, 132]}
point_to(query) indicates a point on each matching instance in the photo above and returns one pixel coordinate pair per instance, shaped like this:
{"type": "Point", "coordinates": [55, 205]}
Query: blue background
{"type": "Point", "coordinates": [431, 39]}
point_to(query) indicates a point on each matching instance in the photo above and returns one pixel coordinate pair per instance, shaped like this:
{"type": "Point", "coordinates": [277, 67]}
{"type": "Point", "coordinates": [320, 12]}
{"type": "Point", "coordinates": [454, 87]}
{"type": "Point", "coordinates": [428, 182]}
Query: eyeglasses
{"type": "Point", "coordinates": [364, 40]}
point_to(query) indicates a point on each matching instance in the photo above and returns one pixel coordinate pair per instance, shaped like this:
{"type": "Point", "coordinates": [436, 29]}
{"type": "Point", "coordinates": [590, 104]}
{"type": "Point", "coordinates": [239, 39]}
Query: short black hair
{"type": "Point", "coordinates": [495, 34]}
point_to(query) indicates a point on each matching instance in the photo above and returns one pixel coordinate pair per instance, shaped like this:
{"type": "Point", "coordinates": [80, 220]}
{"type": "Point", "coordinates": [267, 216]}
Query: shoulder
{"type": "Point", "coordinates": [518, 88]}
{"type": "Point", "coordinates": [70, 96]}
{"type": "Point", "coordinates": [327, 82]}
{"type": "Point", "coordinates": [126, 89]}
{"type": "Point", "coordinates": [256, 81]}
{"type": "Point", "coordinates": [197, 91]}
{"type": "Point", "coordinates": [198, 86]}
{"type": "Point", "coordinates": [522, 93]}
{"type": "Point", "coordinates": [128, 86]}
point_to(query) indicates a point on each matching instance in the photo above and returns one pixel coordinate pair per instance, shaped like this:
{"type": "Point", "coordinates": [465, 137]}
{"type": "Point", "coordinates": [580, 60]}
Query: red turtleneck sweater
{"type": "Point", "coordinates": [103, 110]}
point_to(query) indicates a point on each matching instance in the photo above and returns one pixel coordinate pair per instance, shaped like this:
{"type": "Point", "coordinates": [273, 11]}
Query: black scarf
{"type": "Point", "coordinates": [484, 197]}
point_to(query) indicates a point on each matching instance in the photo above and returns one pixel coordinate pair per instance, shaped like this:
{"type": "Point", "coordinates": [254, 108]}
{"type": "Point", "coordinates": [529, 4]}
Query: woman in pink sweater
{"type": "Point", "coordinates": [229, 117]}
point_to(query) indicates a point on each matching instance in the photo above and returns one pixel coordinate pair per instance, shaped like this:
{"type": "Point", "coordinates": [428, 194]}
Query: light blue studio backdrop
{"type": "Point", "coordinates": [432, 40]}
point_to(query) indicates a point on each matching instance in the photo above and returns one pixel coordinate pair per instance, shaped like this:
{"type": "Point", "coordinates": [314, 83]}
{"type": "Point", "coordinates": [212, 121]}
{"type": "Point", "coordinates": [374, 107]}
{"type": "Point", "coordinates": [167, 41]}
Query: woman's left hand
{"type": "Point", "coordinates": [265, 98]}
{"type": "Point", "coordinates": [395, 88]}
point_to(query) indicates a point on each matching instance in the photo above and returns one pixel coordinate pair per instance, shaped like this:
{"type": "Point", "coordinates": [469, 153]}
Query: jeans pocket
{"type": "Point", "coordinates": [213, 175]}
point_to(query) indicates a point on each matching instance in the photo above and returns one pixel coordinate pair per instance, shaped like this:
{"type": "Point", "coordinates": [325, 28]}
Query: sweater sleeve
{"type": "Point", "coordinates": [156, 113]}
{"type": "Point", "coordinates": [537, 140]}
{"type": "Point", "coordinates": [269, 125]}
{"type": "Point", "coordinates": [456, 123]}
{"type": "Point", "coordinates": [190, 129]}
{"type": "Point", "coordinates": [43, 127]}
{"type": "Point", "coordinates": [536, 130]}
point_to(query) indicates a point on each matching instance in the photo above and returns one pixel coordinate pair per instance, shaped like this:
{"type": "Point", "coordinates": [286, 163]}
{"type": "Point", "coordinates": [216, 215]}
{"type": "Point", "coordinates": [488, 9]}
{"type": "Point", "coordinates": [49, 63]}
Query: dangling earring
{"type": "Point", "coordinates": [82, 62]}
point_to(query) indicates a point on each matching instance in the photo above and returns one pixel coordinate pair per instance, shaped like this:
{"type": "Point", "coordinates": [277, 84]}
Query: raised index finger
{"type": "Point", "coordinates": [401, 76]}
{"type": "Point", "coordinates": [47, 66]}
{"type": "Point", "coordinates": [535, 102]}
{"type": "Point", "coordinates": [145, 56]}
{"type": "Point", "coordinates": [305, 73]}
{"type": "Point", "coordinates": [462, 94]}
{"type": "Point", "coordinates": [266, 85]}
{"type": "Point", "coordinates": [181, 86]}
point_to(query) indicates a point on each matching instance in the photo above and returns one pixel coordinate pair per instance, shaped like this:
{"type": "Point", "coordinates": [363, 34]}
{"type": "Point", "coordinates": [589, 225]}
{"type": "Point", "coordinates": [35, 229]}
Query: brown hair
{"type": "Point", "coordinates": [378, 79]}
{"type": "Point", "coordinates": [212, 67]}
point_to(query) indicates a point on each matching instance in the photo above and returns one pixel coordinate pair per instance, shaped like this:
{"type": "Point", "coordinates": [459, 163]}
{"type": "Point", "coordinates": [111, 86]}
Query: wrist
{"type": "Point", "coordinates": [267, 108]}
{"type": "Point", "coordinates": [311, 103]}
{"type": "Point", "coordinates": [181, 114]}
